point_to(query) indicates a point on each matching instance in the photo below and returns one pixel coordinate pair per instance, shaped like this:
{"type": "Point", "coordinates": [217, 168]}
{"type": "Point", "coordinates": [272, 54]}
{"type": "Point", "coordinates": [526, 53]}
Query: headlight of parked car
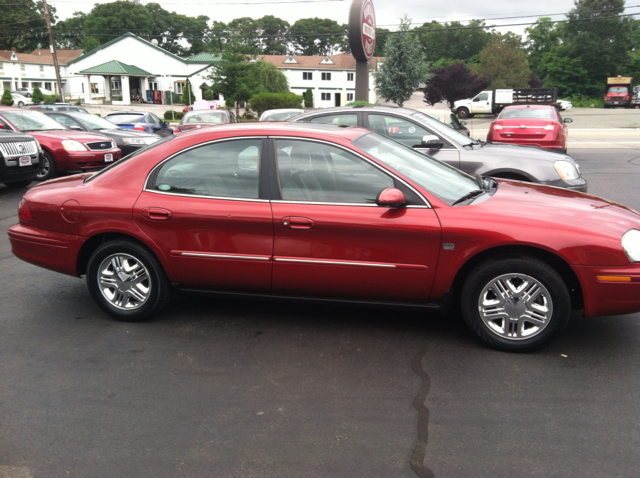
{"type": "Point", "coordinates": [566, 170]}
{"type": "Point", "coordinates": [72, 145]}
{"type": "Point", "coordinates": [631, 244]}
{"type": "Point", "coordinates": [140, 141]}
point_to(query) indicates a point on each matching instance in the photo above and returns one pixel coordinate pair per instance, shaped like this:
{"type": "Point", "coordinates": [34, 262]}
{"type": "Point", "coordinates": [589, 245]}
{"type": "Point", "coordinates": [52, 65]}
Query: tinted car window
{"type": "Point", "coordinates": [225, 169]}
{"type": "Point", "coordinates": [317, 172]}
{"type": "Point", "coordinates": [65, 120]}
{"type": "Point", "coordinates": [124, 118]}
{"type": "Point", "coordinates": [403, 131]}
{"type": "Point", "coordinates": [153, 118]}
{"type": "Point", "coordinates": [349, 119]}
{"type": "Point", "coordinates": [526, 113]}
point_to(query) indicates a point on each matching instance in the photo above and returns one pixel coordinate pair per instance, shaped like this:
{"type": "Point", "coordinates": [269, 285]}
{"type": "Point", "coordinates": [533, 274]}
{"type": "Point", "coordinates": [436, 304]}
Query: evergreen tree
{"type": "Point", "coordinates": [187, 93]}
{"type": "Point", "coordinates": [505, 60]}
{"type": "Point", "coordinates": [37, 96]}
{"type": "Point", "coordinates": [7, 100]}
{"type": "Point", "coordinates": [308, 98]}
{"type": "Point", "coordinates": [404, 66]}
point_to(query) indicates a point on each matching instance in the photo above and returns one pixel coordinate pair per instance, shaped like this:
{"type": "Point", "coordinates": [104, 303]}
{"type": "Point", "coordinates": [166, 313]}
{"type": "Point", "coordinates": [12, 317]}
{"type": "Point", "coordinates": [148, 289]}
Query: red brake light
{"type": "Point", "coordinates": [24, 211]}
{"type": "Point", "coordinates": [138, 128]}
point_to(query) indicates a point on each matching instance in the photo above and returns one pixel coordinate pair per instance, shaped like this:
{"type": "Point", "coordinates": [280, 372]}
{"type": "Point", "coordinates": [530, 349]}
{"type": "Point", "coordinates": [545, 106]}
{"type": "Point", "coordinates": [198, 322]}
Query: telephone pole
{"type": "Point", "coordinates": [52, 47]}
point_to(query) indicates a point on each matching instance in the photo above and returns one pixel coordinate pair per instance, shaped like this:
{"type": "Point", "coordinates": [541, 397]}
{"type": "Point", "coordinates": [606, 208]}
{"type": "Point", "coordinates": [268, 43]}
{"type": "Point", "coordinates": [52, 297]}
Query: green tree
{"type": "Point", "coordinates": [381, 40]}
{"type": "Point", "coordinates": [404, 67]}
{"type": "Point", "coordinates": [268, 78]}
{"type": "Point", "coordinates": [243, 36]}
{"type": "Point", "coordinates": [23, 24]}
{"type": "Point", "coordinates": [37, 96]}
{"type": "Point", "coordinates": [232, 77]}
{"type": "Point", "coordinates": [7, 100]}
{"type": "Point", "coordinates": [187, 93]}
{"type": "Point", "coordinates": [454, 40]}
{"type": "Point", "coordinates": [505, 60]}
{"type": "Point", "coordinates": [542, 37]}
{"type": "Point", "coordinates": [331, 36]}
{"type": "Point", "coordinates": [273, 33]}
{"type": "Point", "coordinates": [308, 98]}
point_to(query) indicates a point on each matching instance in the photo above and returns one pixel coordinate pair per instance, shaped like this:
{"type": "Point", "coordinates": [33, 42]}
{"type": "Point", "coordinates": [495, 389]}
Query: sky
{"type": "Point", "coordinates": [388, 12]}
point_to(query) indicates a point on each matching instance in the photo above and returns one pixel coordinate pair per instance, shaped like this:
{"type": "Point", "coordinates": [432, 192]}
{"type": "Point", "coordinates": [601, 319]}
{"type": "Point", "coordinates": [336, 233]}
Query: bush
{"type": "Point", "coordinates": [49, 99]}
{"type": "Point", "coordinates": [176, 114]}
{"type": "Point", "coordinates": [7, 100]}
{"type": "Point", "coordinates": [360, 103]}
{"type": "Point", "coordinates": [177, 99]}
{"type": "Point", "coordinates": [268, 101]}
{"type": "Point", "coordinates": [78, 102]}
{"type": "Point", "coordinates": [37, 96]}
{"type": "Point", "coordinates": [308, 98]}
{"type": "Point", "coordinates": [586, 102]}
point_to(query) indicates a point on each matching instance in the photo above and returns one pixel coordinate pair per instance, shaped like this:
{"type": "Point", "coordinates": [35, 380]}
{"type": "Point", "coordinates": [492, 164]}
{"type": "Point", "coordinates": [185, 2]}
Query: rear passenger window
{"type": "Point", "coordinates": [225, 169]}
{"type": "Point", "coordinates": [349, 119]}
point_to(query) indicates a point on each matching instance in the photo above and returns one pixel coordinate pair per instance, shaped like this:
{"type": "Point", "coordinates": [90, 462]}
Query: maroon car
{"type": "Point", "coordinates": [204, 118]}
{"type": "Point", "coordinates": [339, 214]}
{"type": "Point", "coordinates": [65, 150]}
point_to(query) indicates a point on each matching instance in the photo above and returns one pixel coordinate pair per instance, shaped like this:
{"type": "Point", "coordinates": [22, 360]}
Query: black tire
{"type": "Point", "coordinates": [463, 113]}
{"type": "Point", "coordinates": [114, 264]}
{"type": "Point", "coordinates": [18, 184]}
{"type": "Point", "coordinates": [551, 304]}
{"type": "Point", "coordinates": [48, 169]}
{"type": "Point", "coordinates": [21, 103]}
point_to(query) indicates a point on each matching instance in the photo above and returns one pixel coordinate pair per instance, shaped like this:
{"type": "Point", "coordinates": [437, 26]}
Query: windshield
{"type": "Point", "coordinates": [96, 122]}
{"type": "Point", "coordinates": [129, 156]}
{"type": "Point", "coordinates": [441, 128]}
{"type": "Point", "coordinates": [443, 181]}
{"type": "Point", "coordinates": [32, 121]}
{"type": "Point", "coordinates": [618, 89]}
{"type": "Point", "coordinates": [280, 115]}
{"type": "Point", "coordinates": [124, 118]}
{"type": "Point", "coordinates": [215, 117]}
{"type": "Point", "coordinates": [526, 113]}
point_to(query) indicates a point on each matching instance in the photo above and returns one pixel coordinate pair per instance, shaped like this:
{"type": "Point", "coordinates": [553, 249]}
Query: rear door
{"type": "Point", "coordinates": [205, 209]}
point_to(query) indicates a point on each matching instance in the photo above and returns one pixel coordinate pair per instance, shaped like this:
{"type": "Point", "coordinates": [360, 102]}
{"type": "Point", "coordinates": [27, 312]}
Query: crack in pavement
{"type": "Point", "coordinates": [420, 449]}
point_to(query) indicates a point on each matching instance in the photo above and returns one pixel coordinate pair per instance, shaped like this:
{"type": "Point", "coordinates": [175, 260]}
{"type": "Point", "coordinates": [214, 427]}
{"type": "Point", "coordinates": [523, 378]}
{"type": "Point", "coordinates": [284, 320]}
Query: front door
{"type": "Point", "coordinates": [203, 208]}
{"type": "Point", "coordinates": [337, 99]}
{"type": "Point", "coordinates": [332, 240]}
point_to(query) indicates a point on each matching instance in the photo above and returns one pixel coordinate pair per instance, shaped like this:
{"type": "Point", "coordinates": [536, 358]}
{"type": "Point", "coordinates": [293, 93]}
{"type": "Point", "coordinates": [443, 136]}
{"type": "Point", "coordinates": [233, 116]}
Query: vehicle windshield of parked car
{"type": "Point", "coordinates": [618, 89]}
{"type": "Point", "coordinates": [215, 117]}
{"type": "Point", "coordinates": [96, 122]}
{"type": "Point", "coordinates": [442, 128]}
{"type": "Point", "coordinates": [279, 115]}
{"type": "Point", "coordinates": [443, 181]}
{"type": "Point", "coordinates": [128, 157]}
{"type": "Point", "coordinates": [527, 113]}
{"type": "Point", "coordinates": [124, 118]}
{"type": "Point", "coordinates": [28, 120]}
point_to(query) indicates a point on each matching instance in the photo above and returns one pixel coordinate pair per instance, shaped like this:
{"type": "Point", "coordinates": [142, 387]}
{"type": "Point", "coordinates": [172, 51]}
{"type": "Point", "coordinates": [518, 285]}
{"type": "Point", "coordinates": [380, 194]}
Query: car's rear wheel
{"type": "Point", "coordinates": [463, 113]}
{"type": "Point", "coordinates": [127, 281]}
{"type": "Point", "coordinates": [48, 169]}
{"type": "Point", "coordinates": [515, 304]}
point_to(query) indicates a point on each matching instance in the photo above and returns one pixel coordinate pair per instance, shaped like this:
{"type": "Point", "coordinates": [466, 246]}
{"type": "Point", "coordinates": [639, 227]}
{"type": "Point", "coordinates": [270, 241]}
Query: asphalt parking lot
{"type": "Point", "coordinates": [247, 388]}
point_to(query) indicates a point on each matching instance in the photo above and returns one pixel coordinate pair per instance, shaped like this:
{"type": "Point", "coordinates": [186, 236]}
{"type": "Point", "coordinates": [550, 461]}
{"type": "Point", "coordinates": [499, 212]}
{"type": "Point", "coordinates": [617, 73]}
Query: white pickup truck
{"type": "Point", "coordinates": [493, 101]}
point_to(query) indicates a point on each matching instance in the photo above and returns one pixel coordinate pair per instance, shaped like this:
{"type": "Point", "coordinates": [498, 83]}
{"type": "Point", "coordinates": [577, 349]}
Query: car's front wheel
{"type": "Point", "coordinates": [463, 112]}
{"type": "Point", "coordinates": [48, 169]}
{"type": "Point", "coordinates": [127, 281]}
{"type": "Point", "coordinates": [515, 304]}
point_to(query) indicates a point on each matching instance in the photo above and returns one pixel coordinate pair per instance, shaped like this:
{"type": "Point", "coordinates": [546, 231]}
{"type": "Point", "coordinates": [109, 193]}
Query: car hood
{"type": "Point", "coordinates": [61, 134]}
{"type": "Point", "coordinates": [523, 152]}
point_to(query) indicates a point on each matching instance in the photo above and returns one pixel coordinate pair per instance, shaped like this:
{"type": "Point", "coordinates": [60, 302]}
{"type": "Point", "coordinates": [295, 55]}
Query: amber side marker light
{"type": "Point", "coordinates": [614, 278]}
{"type": "Point", "coordinates": [24, 212]}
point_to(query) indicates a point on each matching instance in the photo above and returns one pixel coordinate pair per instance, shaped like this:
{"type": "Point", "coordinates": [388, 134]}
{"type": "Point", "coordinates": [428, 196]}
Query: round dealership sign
{"type": "Point", "coordinates": [362, 29]}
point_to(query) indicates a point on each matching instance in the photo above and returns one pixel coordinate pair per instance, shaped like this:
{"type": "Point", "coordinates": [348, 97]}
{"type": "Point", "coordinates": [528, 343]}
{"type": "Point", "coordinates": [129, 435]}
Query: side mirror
{"type": "Point", "coordinates": [568, 120]}
{"type": "Point", "coordinates": [391, 197]}
{"type": "Point", "coordinates": [166, 123]}
{"type": "Point", "coordinates": [431, 141]}
{"type": "Point", "coordinates": [463, 123]}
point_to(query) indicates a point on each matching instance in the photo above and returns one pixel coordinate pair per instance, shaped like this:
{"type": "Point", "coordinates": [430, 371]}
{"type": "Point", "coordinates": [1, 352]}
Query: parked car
{"type": "Point", "coordinates": [449, 119]}
{"type": "Point", "coordinates": [60, 107]}
{"type": "Point", "coordinates": [20, 100]}
{"type": "Point", "coordinates": [204, 118]}
{"type": "Point", "coordinates": [530, 125]}
{"type": "Point", "coordinates": [280, 114]}
{"type": "Point", "coordinates": [333, 213]}
{"type": "Point", "coordinates": [140, 121]}
{"type": "Point", "coordinates": [431, 137]}
{"type": "Point", "coordinates": [28, 92]}
{"type": "Point", "coordinates": [126, 139]}
{"type": "Point", "coordinates": [20, 158]}
{"type": "Point", "coordinates": [64, 150]}
{"type": "Point", "coordinates": [565, 105]}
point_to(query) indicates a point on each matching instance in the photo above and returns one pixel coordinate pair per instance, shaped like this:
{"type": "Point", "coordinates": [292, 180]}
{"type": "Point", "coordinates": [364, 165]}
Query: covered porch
{"type": "Point", "coordinates": [122, 84]}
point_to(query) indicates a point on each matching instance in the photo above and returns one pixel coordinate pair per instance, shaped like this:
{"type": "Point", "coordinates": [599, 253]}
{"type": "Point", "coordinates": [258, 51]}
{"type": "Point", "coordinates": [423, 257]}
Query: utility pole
{"type": "Point", "coordinates": [52, 47]}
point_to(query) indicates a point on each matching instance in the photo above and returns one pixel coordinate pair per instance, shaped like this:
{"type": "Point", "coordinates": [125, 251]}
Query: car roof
{"type": "Point", "coordinates": [521, 107]}
{"type": "Point", "coordinates": [346, 109]}
{"type": "Point", "coordinates": [282, 128]}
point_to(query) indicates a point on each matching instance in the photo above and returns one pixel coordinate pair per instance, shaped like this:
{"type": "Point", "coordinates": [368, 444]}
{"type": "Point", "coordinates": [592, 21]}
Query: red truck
{"type": "Point", "coordinates": [618, 92]}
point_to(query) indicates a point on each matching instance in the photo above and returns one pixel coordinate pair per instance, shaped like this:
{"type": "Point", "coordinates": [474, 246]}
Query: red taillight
{"type": "Point", "coordinates": [138, 128]}
{"type": "Point", "coordinates": [24, 211]}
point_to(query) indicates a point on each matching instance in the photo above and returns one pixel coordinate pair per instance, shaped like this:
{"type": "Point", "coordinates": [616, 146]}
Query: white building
{"type": "Point", "coordinates": [331, 78]}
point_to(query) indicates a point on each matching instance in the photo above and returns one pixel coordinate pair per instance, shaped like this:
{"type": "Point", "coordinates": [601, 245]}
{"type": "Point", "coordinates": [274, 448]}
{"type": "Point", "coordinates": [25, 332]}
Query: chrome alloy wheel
{"type": "Point", "coordinates": [124, 281]}
{"type": "Point", "coordinates": [46, 167]}
{"type": "Point", "coordinates": [515, 306]}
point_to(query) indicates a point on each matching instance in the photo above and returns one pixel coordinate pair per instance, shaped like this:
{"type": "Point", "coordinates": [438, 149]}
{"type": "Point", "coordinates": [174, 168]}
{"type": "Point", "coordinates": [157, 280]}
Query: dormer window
{"type": "Point", "coordinates": [327, 61]}
{"type": "Point", "coordinates": [290, 59]}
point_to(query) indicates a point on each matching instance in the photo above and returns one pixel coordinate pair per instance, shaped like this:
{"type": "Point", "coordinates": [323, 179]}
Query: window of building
{"type": "Point", "coordinates": [153, 85]}
{"type": "Point", "coordinates": [47, 86]}
{"type": "Point", "coordinates": [349, 97]}
{"type": "Point", "coordinates": [325, 96]}
{"type": "Point", "coordinates": [23, 67]}
{"type": "Point", "coordinates": [1, 66]}
{"type": "Point", "coordinates": [326, 76]}
{"type": "Point", "coordinates": [94, 88]}
{"type": "Point", "coordinates": [349, 76]}
{"type": "Point", "coordinates": [307, 75]}
{"type": "Point", "coordinates": [41, 68]}
{"type": "Point", "coordinates": [177, 87]}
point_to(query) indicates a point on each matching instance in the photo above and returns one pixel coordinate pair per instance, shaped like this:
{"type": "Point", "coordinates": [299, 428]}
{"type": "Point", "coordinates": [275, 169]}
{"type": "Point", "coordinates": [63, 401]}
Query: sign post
{"type": "Point", "coordinates": [362, 39]}
{"type": "Point", "coordinates": [171, 96]}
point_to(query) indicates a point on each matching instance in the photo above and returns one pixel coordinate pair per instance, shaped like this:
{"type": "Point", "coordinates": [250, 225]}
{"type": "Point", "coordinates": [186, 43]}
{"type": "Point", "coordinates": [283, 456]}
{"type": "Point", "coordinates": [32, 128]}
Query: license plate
{"type": "Point", "coordinates": [108, 157]}
{"type": "Point", "coordinates": [25, 161]}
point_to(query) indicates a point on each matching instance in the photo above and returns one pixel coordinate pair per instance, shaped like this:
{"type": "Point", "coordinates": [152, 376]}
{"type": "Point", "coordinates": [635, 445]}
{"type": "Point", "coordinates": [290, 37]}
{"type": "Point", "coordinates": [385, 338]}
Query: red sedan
{"type": "Point", "coordinates": [531, 125]}
{"type": "Point", "coordinates": [333, 213]}
{"type": "Point", "coordinates": [65, 150]}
